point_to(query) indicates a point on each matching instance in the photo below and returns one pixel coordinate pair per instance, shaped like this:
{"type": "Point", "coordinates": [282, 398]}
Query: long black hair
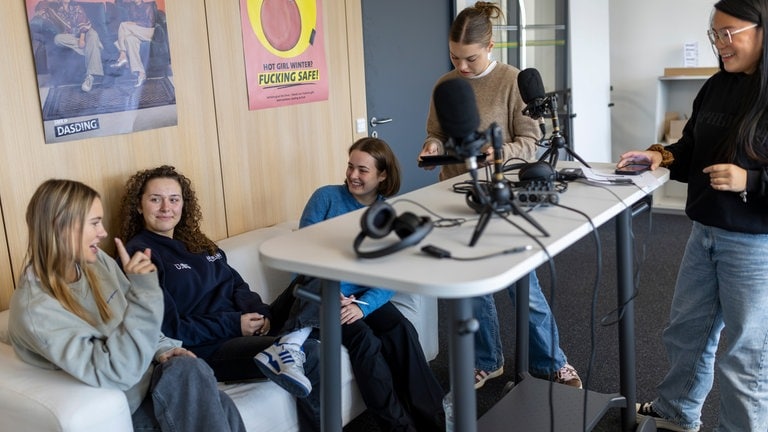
{"type": "Point", "coordinates": [752, 129]}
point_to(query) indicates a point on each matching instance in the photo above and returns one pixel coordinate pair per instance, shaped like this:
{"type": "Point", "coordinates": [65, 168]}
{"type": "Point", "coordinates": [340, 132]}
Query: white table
{"type": "Point", "coordinates": [324, 250]}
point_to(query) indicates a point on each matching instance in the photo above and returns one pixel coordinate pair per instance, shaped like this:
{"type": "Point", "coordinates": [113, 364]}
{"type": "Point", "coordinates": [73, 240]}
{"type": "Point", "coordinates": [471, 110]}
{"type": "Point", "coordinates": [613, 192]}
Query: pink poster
{"type": "Point", "coordinates": [284, 52]}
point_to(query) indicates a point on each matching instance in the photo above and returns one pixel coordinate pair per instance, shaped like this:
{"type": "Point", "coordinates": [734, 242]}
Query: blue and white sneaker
{"type": "Point", "coordinates": [284, 364]}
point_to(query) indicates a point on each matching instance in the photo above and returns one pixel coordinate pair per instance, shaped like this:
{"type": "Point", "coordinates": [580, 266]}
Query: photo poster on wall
{"type": "Point", "coordinates": [284, 53]}
{"type": "Point", "coordinates": [103, 67]}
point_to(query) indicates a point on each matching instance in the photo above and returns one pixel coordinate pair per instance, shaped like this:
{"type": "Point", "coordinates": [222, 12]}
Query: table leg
{"type": "Point", "coordinates": [462, 361]}
{"type": "Point", "coordinates": [522, 311]}
{"type": "Point", "coordinates": [330, 357]}
{"type": "Point", "coordinates": [626, 286]}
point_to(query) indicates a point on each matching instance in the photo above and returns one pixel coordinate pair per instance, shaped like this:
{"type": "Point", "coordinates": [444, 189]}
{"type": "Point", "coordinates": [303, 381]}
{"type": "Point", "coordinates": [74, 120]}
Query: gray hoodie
{"type": "Point", "coordinates": [117, 354]}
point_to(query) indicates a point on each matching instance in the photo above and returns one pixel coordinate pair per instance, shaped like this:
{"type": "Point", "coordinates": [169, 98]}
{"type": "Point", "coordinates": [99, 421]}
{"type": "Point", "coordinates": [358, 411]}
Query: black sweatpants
{"type": "Point", "coordinates": [390, 369]}
{"type": "Point", "coordinates": [392, 373]}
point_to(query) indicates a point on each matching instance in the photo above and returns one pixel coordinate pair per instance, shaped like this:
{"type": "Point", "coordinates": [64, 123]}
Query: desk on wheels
{"type": "Point", "coordinates": [324, 250]}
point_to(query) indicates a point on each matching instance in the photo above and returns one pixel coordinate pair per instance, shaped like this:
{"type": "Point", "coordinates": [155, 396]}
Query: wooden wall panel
{"type": "Point", "coordinates": [106, 162]}
{"type": "Point", "coordinates": [275, 158]}
{"type": "Point", "coordinates": [250, 168]}
{"type": "Point", "coordinates": [6, 276]}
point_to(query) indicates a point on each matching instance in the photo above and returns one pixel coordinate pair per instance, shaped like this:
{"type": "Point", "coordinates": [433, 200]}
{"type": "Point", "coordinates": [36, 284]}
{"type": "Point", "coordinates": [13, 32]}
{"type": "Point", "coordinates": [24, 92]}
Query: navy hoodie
{"type": "Point", "coordinates": [204, 296]}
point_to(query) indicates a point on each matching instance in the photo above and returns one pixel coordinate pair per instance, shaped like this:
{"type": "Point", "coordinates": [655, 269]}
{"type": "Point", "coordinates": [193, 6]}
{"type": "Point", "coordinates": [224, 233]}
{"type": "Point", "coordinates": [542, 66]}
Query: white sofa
{"type": "Point", "coordinates": [41, 400]}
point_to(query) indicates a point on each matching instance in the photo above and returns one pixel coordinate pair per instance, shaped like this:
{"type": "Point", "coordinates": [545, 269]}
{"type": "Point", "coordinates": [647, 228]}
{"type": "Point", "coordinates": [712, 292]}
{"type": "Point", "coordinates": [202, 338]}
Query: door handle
{"type": "Point", "coordinates": [375, 121]}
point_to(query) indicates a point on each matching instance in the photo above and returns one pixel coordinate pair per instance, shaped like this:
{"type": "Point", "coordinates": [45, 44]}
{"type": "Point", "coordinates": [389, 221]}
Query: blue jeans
{"type": "Point", "coordinates": [544, 337]}
{"type": "Point", "coordinates": [722, 285]}
{"type": "Point", "coordinates": [183, 396]}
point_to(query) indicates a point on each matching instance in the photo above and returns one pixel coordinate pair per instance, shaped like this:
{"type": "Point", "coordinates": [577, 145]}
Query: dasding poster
{"type": "Point", "coordinates": [284, 52]}
{"type": "Point", "coordinates": [103, 67]}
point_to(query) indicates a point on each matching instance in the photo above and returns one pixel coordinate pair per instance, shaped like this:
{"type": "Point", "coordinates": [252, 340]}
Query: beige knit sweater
{"type": "Point", "coordinates": [498, 100]}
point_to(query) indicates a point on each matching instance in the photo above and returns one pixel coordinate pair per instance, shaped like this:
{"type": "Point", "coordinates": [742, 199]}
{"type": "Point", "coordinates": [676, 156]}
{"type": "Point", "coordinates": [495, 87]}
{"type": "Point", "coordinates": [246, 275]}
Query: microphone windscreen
{"type": "Point", "coordinates": [456, 108]}
{"type": "Point", "coordinates": [530, 85]}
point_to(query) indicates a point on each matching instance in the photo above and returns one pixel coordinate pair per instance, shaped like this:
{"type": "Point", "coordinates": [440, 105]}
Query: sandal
{"type": "Point", "coordinates": [482, 376]}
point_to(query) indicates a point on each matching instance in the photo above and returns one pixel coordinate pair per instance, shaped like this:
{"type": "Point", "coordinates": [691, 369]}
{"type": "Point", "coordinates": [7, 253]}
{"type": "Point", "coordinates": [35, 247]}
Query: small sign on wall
{"type": "Point", "coordinates": [691, 54]}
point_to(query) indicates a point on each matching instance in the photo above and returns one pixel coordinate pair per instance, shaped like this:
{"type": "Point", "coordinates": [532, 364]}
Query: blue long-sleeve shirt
{"type": "Point", "coordinates": [331, 201]}
{"type": "Point", "coordinates": [204, 296]}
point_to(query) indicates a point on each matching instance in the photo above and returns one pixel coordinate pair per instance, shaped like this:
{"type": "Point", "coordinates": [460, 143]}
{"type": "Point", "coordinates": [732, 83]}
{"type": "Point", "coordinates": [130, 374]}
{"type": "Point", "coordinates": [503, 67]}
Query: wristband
{"type": "Point", "coordinates": [667, 158]}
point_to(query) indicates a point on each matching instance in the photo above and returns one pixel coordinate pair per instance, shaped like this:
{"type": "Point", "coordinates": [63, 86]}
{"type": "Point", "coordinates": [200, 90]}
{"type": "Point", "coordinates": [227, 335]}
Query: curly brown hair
{"type": "Point", "coordinates": [187, 230]}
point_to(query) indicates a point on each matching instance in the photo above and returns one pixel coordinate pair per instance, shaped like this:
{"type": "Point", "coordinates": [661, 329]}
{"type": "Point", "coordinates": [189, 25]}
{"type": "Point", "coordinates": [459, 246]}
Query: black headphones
{"type": "Point", "coordinates": [491, 192]}
{"type": "Point", "coordinates": [380, 219]}
{"type": "Point", "coordinates": [537, 172]}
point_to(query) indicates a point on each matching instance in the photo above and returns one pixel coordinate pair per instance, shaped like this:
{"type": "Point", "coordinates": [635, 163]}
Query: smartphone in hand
{"type": "Point", "coordinates": [632, 168]}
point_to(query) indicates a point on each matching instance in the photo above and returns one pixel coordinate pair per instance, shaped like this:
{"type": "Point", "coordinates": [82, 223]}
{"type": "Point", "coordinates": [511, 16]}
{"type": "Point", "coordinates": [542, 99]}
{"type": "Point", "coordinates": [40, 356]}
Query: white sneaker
{"type": "Point", "coordinates": [284, 364]}
{"type": "Point", "coordinates": [645, 410]}
{"type": "Point", "coordinates": [140, 80]}
{"type": "Point", "coordinates": [87, 84]}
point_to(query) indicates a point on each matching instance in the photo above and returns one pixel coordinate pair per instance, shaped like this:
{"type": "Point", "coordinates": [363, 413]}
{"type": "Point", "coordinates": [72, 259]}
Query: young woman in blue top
{"type": "Point", "coordinates": [387, 359]}
{"type": "Point", "coordinates": [208, 305]}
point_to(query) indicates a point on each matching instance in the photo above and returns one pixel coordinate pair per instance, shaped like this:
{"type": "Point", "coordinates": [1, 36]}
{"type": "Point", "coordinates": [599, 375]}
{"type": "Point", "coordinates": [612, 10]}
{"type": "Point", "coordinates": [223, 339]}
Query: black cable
{"type": "Point", "coordinates": [593, 311]}
{"type": "Point", "coordinates": [553, 290]}
{"type": "Point", "coordinates": [443, 253]}
{"type": "Point", "coordinates": [619, 311]}
{"type": "Point", "coordinates": [464, 187]}
{"type": "Point", "coordinates": [440, 222]}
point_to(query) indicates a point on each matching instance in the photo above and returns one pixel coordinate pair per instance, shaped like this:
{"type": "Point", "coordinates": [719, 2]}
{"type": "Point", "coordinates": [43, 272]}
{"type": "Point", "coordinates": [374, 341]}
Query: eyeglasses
{"type": "Point", "coordinates": [725, 36]}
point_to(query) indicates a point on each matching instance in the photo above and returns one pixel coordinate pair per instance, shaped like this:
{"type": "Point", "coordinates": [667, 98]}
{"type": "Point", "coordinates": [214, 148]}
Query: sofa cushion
{"type": "Point", "coordinates": [35, 399]}
{"type": "Point", "coordinates": [242, 252]}
{"type": "Point", "coordinates": [257, 401]}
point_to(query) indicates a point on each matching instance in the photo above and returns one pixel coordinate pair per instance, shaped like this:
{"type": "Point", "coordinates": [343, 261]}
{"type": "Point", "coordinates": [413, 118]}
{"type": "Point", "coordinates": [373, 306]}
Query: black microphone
{"type": "Point", "coordinates": [457, 113]}
{"type": "Point", "coordinates": [532, 91]}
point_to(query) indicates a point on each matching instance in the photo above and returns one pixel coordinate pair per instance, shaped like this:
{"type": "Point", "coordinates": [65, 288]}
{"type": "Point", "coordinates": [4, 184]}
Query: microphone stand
{"type": "Point", "coordinates": [499, 197]}
{"type": "Point", "coordinates": [557, 140]}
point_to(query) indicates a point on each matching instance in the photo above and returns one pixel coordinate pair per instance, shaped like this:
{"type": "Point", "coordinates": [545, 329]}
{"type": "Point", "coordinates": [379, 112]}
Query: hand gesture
{"type": "Point", "coordinates": [727, 177]}
{"type": "Point", "coordinates": [254, 324]}
{"type": "Point", "coordinates": [652, 158]}
{"type": "Point", "coordinates": [175, 352]}
{"type": "Point", "coordinates": [139, 263]}
{"type": "Point", "coordinates": [350, 311]}
{"type": "Point", "coordinates": [429, 149]}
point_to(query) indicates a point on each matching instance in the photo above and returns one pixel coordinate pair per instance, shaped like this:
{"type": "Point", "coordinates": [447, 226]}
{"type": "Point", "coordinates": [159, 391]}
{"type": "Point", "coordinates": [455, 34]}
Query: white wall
{"type": "Point", "coordinates": [646, 37]}
{"type": "Point", "coordinates": [590, 79]}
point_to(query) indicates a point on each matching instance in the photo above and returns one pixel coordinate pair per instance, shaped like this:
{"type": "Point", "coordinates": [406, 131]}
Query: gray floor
{"type": "Point", "coordinates": [659, 243]}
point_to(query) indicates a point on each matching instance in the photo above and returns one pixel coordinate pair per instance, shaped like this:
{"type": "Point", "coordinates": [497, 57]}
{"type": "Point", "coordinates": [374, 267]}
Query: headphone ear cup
{"type": "Point", "coordinates": [475, 202]}
{"type": "Point", "coordinates": [377, 220]}
{"type": "Point", "coordinates": [537, 171]}
{"type": "Point", "coordinates": [406, 224]}
{"type": "Point", "coordinates": [380, 219]}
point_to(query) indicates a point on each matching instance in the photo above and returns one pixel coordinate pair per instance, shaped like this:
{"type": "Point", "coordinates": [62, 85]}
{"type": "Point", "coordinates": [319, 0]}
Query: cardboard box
{"type": "Point", "coordinates": [675, 130]}
{"type": "Point", "coordinates": [691, 71]}
{"type": "Point", "coordinates": [668, 117]}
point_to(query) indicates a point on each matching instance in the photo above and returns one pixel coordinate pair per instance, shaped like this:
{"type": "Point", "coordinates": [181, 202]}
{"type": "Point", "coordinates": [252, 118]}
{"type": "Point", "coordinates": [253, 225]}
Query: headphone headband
{"type": "Point", "coordinates": [379, 220]}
